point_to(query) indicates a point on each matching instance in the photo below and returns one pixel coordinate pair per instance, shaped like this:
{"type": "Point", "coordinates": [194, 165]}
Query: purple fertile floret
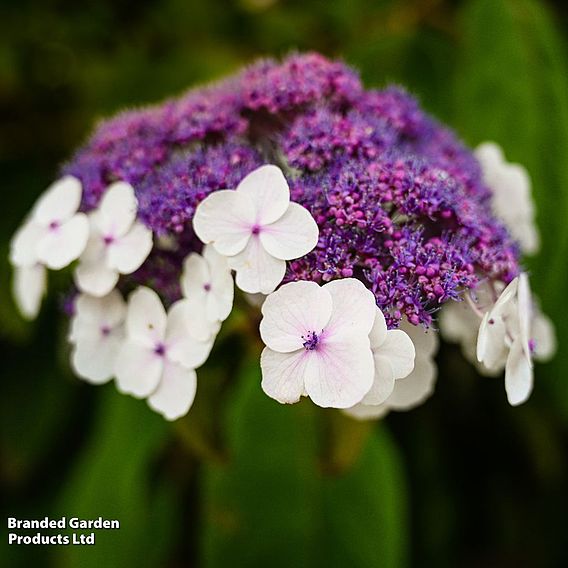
{"type": "Point", "coordinates": [399, 200]}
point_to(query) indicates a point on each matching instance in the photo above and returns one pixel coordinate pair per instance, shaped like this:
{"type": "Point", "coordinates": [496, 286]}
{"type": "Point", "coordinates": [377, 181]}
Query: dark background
{"type": "Point", "coordinates": [463, 481]}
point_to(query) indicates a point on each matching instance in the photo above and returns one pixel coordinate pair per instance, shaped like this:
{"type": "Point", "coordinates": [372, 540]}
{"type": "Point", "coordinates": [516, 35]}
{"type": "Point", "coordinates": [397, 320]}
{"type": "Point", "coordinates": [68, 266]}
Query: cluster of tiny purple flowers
{"type": "Point", "coordinates": [400, 203]}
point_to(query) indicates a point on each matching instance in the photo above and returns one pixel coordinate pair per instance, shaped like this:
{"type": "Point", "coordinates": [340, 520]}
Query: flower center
{"type": "Point", "coordinates": [105, 330]}
{"type": "Point", "coordinates": [255, 229]}
{"type": "Point", "coordinates": [54, 225]}
{"type": "Point", "coordinates": [160, 350]}
{"type": "Point", "coordinates": [311, 341]}
{"type": "Point", "coordinates": [207, 287]}
{"type": "Point", "coordinates": [108, 240]}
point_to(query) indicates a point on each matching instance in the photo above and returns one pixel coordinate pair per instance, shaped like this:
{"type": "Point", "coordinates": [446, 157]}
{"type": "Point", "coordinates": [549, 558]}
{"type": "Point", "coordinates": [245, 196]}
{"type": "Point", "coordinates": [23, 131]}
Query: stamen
{"type": "Point", "coordinates": [255, 229]}
{"type": "Point", "coordinates": [160, 350]}
{"type": "Point", "coordinates": [310, 341]}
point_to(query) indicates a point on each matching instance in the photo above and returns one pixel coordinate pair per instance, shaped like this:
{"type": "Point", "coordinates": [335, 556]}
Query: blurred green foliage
{"type": "Point", "coordinates": [463, 481]}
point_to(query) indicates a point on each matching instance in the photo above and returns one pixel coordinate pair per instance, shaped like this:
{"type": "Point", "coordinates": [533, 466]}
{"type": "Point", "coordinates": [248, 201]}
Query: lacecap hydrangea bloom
{"type": "Point", "coordinates": [358, 224]}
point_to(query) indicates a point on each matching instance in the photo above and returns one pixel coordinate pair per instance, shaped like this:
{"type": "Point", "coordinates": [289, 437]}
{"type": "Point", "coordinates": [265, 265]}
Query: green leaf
{"type": "Point", "coordinates": [275, 505]}
{"type": "Point", "coordinates": [365, 510]}
{"type": "Point", "coordinates": [112, 478]}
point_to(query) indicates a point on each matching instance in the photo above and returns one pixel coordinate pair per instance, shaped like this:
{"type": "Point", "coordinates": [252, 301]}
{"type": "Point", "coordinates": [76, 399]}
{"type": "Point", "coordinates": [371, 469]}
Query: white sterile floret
{"type": "Point", "coordinates": [393, 352]}
{"type": "Point", "coordinates": [504, 340]}
{"type": "Point", "coordinates": [257, 228]}
{"type": "Point", "coordinates": [53, 236]}
{"type": "Point", "coordinates": [160, 354]}
{"type": "Point", "coordinates": [512, 200]}
{"type": "Point", "coordinates": [317, 343]}
{"type": "Point", "coordinates": [28, 288]}
{"type": "Point", "coordinates": [207, 284]}
{"type": "Point", "coordinates": [118, 244]}
{"type": "Point", "coordinates": [415, 388]}
{"type": "Point", "coordinates": [459, 323]}
{"type": "Point", "coordinates": [97, 334]}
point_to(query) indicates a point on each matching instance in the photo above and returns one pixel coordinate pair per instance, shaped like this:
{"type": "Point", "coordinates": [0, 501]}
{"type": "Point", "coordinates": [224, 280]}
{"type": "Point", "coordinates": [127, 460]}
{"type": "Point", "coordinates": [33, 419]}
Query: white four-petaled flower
{"type": "Point", "coordinates": [257, 228]}
{"type": "Point", "coordinates": [97, 334]}
{"type": "Point", "coordinates": [207, 284]}
{"type": "Point", "coordinates": [53, 236]}
{"type": "Point", "coordinates": [160, 354]}
{"type": "Point", "coordinates": [504, 339]}
{"type": "Point", "coordinates": [415, 388]}
{"type": "Point", "coordinates": [317, 342]}
{"type": "Point", "coordinates": [118, 244]}
{"type": "Point", "coordinates": [512, 200]}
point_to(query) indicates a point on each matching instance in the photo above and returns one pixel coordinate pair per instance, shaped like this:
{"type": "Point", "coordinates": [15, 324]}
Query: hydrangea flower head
{"type": "Point", "coordinates": [356, 213]}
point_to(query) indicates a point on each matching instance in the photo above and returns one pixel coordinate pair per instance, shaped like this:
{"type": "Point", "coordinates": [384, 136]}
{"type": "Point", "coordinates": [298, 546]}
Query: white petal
{"type": "Point", "coordinates": [117, 210]}
{"type": "Point", "coordinates": [291, 312]}
{"type": "Point", "coordinates": [138, 369]}
{"type": "Point", "coordinates": [257, 271]}
{"type": "Point", "coordinates": [506, 300]}
{"type": "Point", "coordinates": [425, 342]}
{"type": "Point", "coordinates": [416, 388]}
{"type": "Point", "coordinates": [458, 323]}
{"type": "Point", "coordinates": [221, 295]}
{"type": "Point", "coordinates": [544, 336]}
{"type": "Point", "coordinates": [23, 247]}
{"type": "Point", "coordinates": [366, 411]}
{"type": "Point", "coordinates": [340, 375]}
{"type": "Point", "coordinates": [518, 375]}
{"type": "Point", "coordinates": [491, 346]}
{"type": "Point", "coordinates": [29, 285]}
{"type": "Point", "coordinates": [399, 350]}
{"type": "Point", "coordinates": [283, 374]}
{"type": "Point", "coordinates": [182, 344]}
{"type": "Point", "coordinates": [225, 218]}
{"type": "Point", "coordinates": [353, 312]}
{"type": "Point", "coordinates": [379, 330]}
{"type": "Point", "coordinates": [95, 278]}
{"type": "Point", "coordinates": [146, 318]}
{"type": "Point", "coordinates": [383, 382]}
{"type": "Point", "coordinates": [59, 202]}
{"type": "Point", "coordinates": [127, 253]}
{"type": "Point", "coordinates": [94, 360]}
{"type": "Point", "coordinates": [109, 311]}
{"type": "Point", "coordinates": [292, 236]}
{"type": "Point", "coordinates": [61, 246]}
{"type": "Point", "coordinates": [175, 394]}
{"type": "Point", "coordinates": [524, 304]}
{"type": "Point", "coordinates": [268, 189]}
{"type": "Point", "coordinates": [195, 276]}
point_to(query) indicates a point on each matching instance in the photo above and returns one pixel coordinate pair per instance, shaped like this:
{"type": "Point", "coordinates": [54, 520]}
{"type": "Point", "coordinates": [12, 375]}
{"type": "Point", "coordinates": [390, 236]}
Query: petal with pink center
{"type": "Point", "coordinates": [341, 374]}
{"type": "Point", "coordinates": [293, 311]}
{"type": "Point", "coordinates": [268, 190]}
{"type": "Point", "coordinates": [225, 218]}
{"type": "Point", "coordinates": [62, 245]}
{"type": "Point", "coordinates": [292, 236]}
{"type": "Point", "coordinates": [138, 369]}
{"type": "Point", "coordinates": [257, 271]}
{"type": "Point", "coordinates": [127, 253]}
